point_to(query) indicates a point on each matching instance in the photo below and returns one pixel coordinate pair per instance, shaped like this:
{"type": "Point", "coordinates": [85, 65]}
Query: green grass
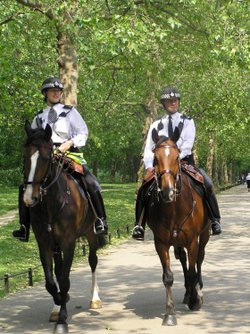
{"type": "Point", "coordinates": [16, 257]}
{"type": "Point", "coordinates": [8, 199]}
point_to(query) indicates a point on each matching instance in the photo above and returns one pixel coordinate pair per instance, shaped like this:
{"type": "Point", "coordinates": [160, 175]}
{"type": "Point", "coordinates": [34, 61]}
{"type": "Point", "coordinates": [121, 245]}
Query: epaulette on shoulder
{"type": "Point", "coordinates": [67, 106]}
{"type": "Point", "coordinates": [185, 117]}
{"type": "Point", "coordinates": [39, 112]}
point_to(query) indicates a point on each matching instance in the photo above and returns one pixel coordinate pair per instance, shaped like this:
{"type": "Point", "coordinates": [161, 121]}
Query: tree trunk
{"type": "Point", "coordinates": [224, 172]}
{"type": "Point", "coordinates": [67, 61]}
{"type": "Point", "coordinates": [151, 110]}
{"type": "Point", "coordinates": [95, 167]}
{"type": "Point", "coordinates": [210, 157]}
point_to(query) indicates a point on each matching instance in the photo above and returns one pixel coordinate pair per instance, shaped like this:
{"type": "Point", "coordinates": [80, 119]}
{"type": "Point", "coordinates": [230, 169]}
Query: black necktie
{"type": "Point", "coordinates": [170, 126]}
{"type": "Point", "coordinates": [52, 116]}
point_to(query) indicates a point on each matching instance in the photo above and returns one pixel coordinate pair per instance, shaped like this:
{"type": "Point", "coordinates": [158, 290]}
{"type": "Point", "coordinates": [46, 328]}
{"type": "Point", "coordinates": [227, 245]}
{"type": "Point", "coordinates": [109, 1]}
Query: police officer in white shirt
{"type": "Point", "coordinates": [170, 99]}
{"type": "Point", "coordinates": [69, 132]}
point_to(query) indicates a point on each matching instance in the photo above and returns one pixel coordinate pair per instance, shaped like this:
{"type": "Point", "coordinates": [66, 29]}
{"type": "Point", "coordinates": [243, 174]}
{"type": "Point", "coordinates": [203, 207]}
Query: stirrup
{"type": "Point", "coordinates": [138, 233]}
{"type": "Point", "coordinates": [215, 227]}
{"type": "Point", "coordinates": [99, 226]}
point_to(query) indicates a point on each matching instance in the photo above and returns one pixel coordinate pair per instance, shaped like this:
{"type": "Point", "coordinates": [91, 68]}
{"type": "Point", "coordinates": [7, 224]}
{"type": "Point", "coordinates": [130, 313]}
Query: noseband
{"type": "Point", "coordinates": [43, 188]}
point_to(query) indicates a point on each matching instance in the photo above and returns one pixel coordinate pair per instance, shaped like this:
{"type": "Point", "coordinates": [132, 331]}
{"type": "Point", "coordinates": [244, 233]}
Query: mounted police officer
{"type": "Point", "coordinates": [69, 132]}
{"type": "Point", "coordinates": [170, 99]}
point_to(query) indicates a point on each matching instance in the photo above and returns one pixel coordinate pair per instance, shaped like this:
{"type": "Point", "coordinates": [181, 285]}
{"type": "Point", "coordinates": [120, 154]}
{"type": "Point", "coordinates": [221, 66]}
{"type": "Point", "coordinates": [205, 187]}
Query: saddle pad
{"type": "Point", "coordinates": [193, 172]}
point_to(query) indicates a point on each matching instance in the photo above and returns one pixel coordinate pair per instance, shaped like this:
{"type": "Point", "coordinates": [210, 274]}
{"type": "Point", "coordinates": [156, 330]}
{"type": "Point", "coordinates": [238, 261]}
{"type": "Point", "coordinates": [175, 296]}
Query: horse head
{"type": "Point", "coordinates": [167, 164]}
{"type": "Point", "coordinates": [37, 158]}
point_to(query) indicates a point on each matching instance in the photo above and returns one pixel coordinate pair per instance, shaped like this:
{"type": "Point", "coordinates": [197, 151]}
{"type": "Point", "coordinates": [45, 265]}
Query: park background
{"type": "Point", "coordinates": [114, 57]}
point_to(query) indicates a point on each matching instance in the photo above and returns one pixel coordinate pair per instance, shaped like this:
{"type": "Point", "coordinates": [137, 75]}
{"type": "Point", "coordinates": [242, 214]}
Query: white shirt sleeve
{"type": "Point", "coordinates": [78, 128]}
{"type": "Point", "coordinates": [186, 141]}
{"type": "Point", "coordinates": [148, 156]}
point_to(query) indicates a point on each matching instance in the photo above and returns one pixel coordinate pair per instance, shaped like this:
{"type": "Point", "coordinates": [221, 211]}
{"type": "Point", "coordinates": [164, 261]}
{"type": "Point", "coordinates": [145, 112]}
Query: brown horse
{"type": "Point", "coordinates": [60, 213]}
{"type": "Point", "coordinates": [176, 214]}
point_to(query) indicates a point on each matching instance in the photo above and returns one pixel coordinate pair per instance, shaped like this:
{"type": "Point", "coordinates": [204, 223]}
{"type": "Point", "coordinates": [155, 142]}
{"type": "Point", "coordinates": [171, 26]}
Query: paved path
{"type": "Point", "coordinates": [133, 294]}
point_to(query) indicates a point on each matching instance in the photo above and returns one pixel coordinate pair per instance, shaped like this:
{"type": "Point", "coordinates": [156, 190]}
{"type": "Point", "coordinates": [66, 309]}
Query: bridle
{"type": "Point", "coordinates": [176, 175]}
{"type": "Point", "coordinates": [43, 189]}
{"type": "Point", "coordinates": [168, 171]}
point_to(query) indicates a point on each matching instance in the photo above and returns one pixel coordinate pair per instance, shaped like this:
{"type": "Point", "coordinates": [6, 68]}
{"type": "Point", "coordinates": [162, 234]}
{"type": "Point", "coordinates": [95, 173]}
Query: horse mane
{"type": "Point", "coordinates": [161, 140]}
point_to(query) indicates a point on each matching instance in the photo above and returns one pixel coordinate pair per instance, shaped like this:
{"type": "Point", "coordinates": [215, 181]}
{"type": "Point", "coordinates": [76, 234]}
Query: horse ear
{"type": "Point", "coordinates": [27, 128]}
{"type": "Point", "coordinates": [48, 132]}
{"type": "Point", "coordinates": [176, 135]}
{"type": "Point", "coordinates": [155, 135]}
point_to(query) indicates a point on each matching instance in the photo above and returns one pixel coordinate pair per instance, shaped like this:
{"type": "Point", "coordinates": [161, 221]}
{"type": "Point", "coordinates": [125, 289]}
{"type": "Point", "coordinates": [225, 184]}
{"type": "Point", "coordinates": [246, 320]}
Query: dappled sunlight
{"type": "Point", "coordinates": [129, 276]}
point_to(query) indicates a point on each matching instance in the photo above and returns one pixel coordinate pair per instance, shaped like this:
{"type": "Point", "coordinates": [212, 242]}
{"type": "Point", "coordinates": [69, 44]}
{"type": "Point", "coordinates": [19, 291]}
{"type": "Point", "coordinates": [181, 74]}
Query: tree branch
{"type": "Point", "coordinates": [11, 18]}
{"type": "Point", "coordinates": [37, 6]}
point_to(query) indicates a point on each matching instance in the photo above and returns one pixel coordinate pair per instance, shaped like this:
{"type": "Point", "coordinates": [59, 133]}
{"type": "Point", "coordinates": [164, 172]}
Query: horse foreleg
{"type": "Point", "coordinates": [168, 279]}
{"type": "Point", "coordinates": [54, 315]}
{"type": "Point", "coordinates": [63, 271]}
{"type": "Point", "coordinates": [46, 260]}
{"type": "Point", "coordinates": [95, 302]}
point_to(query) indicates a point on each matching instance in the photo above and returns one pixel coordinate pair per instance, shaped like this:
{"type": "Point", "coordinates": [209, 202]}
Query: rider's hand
{"type": "Point", "coordinates": [149, 173]}
{"type": "Point", "coordinates": [65, 146]}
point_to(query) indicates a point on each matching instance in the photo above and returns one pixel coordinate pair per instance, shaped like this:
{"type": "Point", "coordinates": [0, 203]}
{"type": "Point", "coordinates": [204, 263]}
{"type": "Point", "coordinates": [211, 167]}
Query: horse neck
{"type": "Point", "coordinates": [56, 183]}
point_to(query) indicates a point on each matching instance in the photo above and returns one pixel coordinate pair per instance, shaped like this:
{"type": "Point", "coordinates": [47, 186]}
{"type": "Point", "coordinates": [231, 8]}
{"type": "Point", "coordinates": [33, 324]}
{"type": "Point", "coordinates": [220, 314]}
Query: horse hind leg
{"type": "Point", "coordinates": [95, 302]}
{"type": "Point", "coordinates": [195, 297]}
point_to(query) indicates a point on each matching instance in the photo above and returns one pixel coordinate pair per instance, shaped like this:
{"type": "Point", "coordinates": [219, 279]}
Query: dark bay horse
{"type": "Point", "coordinates": [177, 217]}
{"type": "Point", "coordinates": [59, 214]}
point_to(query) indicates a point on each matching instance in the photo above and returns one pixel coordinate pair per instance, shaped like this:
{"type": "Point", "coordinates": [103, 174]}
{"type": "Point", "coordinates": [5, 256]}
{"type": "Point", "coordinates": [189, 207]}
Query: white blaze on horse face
{"type": "Point", "coordinates": [167, 151]}
{"type": "Point", "coordinates": [27, 197]}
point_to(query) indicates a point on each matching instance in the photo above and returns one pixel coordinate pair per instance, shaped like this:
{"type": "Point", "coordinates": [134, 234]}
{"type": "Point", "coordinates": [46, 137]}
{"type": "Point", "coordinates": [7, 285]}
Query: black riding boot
{"type": "Point", "coordinates": [91, 185]}
{"type": "Point", "coordinates": [100, 225]}
{"type": "Point", "coordinates": [139, 229]}
{"type": "Point", "coordinates": [24, 219]}
{"type": "Point", "coordinates": [213, 205]}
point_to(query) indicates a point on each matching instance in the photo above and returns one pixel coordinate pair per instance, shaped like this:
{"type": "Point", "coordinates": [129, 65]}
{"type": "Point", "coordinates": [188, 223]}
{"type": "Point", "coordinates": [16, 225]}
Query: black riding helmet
{"type": "Point", "coordinates": [169, 93]}
{"type": "Point", "coordinates": [52, 82]}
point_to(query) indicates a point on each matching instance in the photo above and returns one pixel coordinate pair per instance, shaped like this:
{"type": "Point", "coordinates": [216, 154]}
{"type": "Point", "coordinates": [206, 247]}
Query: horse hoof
{"type": "Point", "coordinates": [195, 306]}
{"type": "Point", "coordinates": [186, 299]}
{"type": "Point", "coordinates": [95, 304]}
{"type": "Point", "coordinates": [61, 329]}
{"type": "Point", "coordinates": [54, 317]}
{"type": "Point", "coordinates": [169, 320]}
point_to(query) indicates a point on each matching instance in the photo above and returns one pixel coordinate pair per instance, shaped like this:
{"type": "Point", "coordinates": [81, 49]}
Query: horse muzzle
{"type": "Point", "coordinates": [29, 198]}
{"type": "Point", "coordinates": [168, 195]}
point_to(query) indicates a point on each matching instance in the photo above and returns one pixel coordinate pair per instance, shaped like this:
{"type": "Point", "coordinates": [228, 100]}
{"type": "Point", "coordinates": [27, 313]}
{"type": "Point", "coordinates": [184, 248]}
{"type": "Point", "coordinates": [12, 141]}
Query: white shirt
{"type": "Point", "coordinates": [69, 125]}
{"type": "Point", "coordinates": [185, 142]}
{"type": "Point", "coordinates": [248, 177]}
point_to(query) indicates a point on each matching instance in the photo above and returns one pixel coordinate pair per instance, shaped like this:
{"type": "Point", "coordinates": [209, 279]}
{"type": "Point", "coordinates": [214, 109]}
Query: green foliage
{"type": "Point", "coordinates": [127, 50]}
{"type": "Point", "coordinates": [8, 199]}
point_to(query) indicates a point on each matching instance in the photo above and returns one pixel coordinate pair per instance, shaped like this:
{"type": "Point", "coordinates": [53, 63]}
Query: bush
{"type": "Point", "coordinates": [11, 177]}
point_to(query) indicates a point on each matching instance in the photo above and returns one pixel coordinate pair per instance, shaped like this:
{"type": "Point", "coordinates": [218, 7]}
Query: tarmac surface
{"type": "Point", "coordinates": [132, 292]}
